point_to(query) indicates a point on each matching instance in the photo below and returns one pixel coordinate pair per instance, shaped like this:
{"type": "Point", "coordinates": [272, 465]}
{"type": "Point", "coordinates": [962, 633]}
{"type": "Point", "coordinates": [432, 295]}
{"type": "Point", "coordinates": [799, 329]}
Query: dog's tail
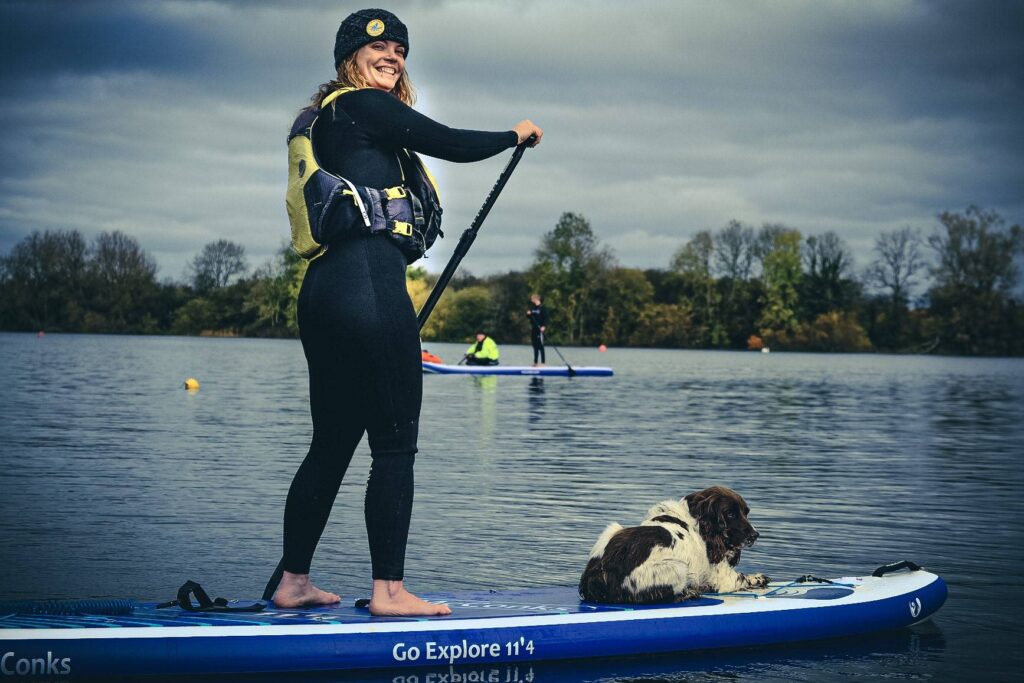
{"type": "Point", "coordinates": [596, 580]}
{"type": "Point", "coordinates": [596, 583]}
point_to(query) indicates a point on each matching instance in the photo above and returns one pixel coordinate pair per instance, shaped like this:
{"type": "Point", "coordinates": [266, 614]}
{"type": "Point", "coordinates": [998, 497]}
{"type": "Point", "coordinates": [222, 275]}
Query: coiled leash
{"type": "Point", "coordinates": [807, 578]}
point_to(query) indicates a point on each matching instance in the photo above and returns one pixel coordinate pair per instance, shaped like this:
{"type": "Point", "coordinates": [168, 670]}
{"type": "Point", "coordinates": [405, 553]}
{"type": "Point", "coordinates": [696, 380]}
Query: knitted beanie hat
{"type": "Point", "coordinates": [365, 26]}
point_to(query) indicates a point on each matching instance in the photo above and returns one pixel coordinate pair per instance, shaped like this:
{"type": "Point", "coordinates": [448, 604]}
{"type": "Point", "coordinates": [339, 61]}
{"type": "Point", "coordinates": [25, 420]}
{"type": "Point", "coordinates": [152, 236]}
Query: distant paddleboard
{"type": "Point", "coordinates": [545, 371]}
{"type": "Point", "coordinates": [486, 627]}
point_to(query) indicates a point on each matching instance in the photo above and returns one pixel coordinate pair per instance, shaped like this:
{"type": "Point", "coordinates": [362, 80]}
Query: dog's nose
{"type": "Point", "coordinates": [754, 535]}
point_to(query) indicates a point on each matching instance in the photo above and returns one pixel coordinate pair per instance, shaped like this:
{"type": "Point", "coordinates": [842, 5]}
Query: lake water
{"type": "Point", "coordinates": [116, 482]}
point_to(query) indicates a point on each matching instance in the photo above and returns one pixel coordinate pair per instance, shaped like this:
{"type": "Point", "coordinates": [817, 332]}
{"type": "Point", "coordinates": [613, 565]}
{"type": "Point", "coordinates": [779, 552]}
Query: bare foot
{"type": "Point", "coordinates": [295, 590]}
{"type": "Point", "coordinates": [390, 599]}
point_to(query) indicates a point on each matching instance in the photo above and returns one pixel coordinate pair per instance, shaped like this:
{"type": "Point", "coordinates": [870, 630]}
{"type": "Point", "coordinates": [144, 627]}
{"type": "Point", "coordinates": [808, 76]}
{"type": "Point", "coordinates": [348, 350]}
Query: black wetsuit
{"type": "Point", "coordinates": [538, 319]}
{"type": "Point", "coordinates": [360, 337]}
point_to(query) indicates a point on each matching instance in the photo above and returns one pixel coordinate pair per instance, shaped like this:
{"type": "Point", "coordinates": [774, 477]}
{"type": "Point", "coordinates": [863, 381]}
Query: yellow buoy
{"type": "Point", "coordinates": [192, 384]}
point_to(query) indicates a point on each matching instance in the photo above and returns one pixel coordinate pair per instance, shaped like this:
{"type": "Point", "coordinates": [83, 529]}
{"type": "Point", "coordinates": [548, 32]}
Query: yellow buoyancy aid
{"type": "Point", "coordinates": [314, 195]}
{"type": "Point", "coordinates": [488, 349]}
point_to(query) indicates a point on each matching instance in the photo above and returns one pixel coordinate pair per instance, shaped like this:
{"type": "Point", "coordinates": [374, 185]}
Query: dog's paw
{"type": "Point", "coordinates": [756, 580]}
{"type": "Point", "coordinates": [687, 594]}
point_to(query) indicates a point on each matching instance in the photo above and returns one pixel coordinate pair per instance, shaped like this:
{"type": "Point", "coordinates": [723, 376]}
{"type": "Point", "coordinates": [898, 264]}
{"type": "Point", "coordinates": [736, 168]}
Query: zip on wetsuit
{"type": "Point", "coordinates": [360, 337]}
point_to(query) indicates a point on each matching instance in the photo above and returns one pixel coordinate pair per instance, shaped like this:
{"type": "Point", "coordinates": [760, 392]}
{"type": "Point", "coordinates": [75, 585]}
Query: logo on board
{"type": "Point", "coordinates": [915, 607]}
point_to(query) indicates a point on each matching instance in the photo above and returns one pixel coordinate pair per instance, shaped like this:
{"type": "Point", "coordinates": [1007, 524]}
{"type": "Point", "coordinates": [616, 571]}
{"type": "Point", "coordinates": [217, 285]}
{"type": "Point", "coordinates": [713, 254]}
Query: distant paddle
{"type": "Point", "coordinates": [572, 373]}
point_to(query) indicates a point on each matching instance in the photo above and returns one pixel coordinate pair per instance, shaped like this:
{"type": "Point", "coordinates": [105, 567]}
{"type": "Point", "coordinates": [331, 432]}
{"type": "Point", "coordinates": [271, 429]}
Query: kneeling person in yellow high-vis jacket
{"type": "Point", "coordinates": [483, 352]}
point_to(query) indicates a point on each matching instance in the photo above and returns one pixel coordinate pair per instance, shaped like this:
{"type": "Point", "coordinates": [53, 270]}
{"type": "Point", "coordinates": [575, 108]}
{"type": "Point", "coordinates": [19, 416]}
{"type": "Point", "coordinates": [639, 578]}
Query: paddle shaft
{"type": "Point", "coordinates": [466, 241]}
{"type": "Point", "coordinates": [572, 372]}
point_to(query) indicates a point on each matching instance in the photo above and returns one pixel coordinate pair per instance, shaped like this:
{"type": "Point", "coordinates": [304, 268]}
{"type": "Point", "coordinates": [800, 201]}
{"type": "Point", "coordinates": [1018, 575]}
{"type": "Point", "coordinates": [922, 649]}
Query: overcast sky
{"type": "Point", "coordinates": [167, 120]}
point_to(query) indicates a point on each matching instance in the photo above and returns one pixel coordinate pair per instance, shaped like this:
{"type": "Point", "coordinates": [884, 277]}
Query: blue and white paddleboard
{"type": "Point", "coordinates": [545, 371]}
{"type": "Point", "coordinates": [486, 627]}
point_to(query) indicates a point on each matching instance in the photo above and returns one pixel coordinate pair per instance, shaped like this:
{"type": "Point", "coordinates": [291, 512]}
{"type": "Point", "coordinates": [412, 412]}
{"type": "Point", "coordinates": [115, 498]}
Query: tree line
{"type": "Point", "coordinates": [953, 290]}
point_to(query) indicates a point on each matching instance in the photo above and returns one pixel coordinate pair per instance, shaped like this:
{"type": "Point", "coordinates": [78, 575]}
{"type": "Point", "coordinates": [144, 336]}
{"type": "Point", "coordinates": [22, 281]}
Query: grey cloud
{"type": "Point", "coordinates": [167, 119]}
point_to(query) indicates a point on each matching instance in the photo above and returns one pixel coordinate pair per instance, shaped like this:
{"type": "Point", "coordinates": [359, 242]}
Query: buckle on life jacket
{"type": "Point", "coordinates": [397, 192]}
{"type": "Point", "coordinates": [402, 228]}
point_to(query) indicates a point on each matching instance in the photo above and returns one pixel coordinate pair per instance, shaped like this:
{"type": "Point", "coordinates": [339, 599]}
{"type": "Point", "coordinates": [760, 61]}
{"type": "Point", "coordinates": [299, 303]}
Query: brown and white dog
{"type": "Point", "coordinates": [683, 548]}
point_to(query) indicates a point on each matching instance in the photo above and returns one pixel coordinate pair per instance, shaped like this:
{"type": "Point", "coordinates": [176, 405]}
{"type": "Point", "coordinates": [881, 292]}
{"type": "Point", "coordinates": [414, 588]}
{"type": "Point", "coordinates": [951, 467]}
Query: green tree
{"type": "Point", "coordinates": [42, 280]}
{"type": "Point", "coordinates": [622, 298]}
{"type": "Point", "coordinates": [834, 332]}
{"type": "Point", "coordinates": [510, 298]}
{"type": "Point", "coordinates": [195, 316]}
{"type": "Point", "coordinates": [122, 278]}
{"type": "Point", "coordinates": [465, 312]}
{"type": "Point", "coordinates": [781, 275]}
{"type": "Point", "coordinates": [975, 277]}
{"type": "Point", "coordinates": [893, 272]}
{"type": "Point", "coordinates": [664, 325]}
{"type": "Point", "coordinates": [272, 295]}
{"type": "Point", "coordinates": [827, 283]}
{"type": "Point", "coordinates": [569, 267]}
{"type": "Point", "coordinates": [735, 250]}
{"type": "Point", "coordinates": [693, 263]}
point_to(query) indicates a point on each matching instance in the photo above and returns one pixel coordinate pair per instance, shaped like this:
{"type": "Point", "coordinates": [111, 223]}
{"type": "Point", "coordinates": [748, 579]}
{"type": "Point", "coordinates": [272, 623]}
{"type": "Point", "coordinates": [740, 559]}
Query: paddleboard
{"type": "Point", "coordinates": [486, 628]}
{"type": "Point", "coordinates": [545, 371]}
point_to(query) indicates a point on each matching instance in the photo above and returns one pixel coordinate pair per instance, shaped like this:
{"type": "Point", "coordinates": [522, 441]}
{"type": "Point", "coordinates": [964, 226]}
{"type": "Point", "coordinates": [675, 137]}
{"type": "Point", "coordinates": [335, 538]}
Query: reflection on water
{"type": "Point", "coordinates": [486, 411]}
{"type": "Point", "coordinates": [117, 482]}
{"type": "Point", "coordinates": [535, 400]}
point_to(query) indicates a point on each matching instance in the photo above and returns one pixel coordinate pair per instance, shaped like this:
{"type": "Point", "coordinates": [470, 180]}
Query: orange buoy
{"type": "Point", "coordinates": [192, 384]}
{"type": "Point", "coordinates": [602, 348]}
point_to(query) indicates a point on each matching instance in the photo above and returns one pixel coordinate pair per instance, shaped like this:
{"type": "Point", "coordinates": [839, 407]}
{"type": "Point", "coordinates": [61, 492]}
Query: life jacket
{"type": "Point", "coordinates": [484, 350]}
{"type": "Point", "coordinates": [322, 205]}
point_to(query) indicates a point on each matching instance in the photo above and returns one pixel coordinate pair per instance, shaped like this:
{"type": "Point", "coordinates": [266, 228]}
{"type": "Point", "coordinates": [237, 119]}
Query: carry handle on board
{"type": "Point", "coordinates": [895, 567]}
{"type": "Point", "coordinates": [465, 242]}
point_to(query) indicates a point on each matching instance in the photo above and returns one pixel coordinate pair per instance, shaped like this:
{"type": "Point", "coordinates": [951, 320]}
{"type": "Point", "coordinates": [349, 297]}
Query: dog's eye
{"type": "Point", "coordinates": [731, 514]}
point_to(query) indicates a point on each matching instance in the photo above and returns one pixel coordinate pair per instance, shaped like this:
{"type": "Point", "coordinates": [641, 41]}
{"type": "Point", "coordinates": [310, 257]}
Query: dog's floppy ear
{"type": "Point", "coordinates": [712, 523]}
{"type": "Point", "coordinates": [702, 507]}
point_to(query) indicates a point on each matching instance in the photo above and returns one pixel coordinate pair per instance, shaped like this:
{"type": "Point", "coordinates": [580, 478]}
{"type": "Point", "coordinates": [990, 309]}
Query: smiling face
{"type": "Point", "coordinates": [381, 63]}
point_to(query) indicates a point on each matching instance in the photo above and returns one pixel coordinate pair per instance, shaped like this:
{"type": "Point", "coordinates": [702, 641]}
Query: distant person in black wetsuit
{"type": "Point", "coordinates": [356, 322]}
{"type": "Point", "coordinates": [538, 325]}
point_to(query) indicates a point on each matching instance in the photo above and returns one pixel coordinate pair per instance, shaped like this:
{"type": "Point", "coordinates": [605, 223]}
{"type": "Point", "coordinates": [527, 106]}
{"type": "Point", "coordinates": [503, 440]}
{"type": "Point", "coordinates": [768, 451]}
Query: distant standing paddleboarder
{"type": "Point", "coordinates": [538, 325]}
{"type": "Point", "coordinates": [356, 321]}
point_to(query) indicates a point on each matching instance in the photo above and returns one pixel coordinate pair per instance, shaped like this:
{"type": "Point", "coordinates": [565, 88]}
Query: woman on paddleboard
{"type": "Point", "coordinates": [356, 321]}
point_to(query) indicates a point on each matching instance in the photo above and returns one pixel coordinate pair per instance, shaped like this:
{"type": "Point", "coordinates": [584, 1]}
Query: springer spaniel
{"type": "Point", "coordinates": [681, 550]}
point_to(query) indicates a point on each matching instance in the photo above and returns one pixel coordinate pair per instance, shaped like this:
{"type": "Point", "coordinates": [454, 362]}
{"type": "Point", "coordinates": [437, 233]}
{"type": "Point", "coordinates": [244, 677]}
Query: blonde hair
{"type": "Point", "coordinates": [349, 76]}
